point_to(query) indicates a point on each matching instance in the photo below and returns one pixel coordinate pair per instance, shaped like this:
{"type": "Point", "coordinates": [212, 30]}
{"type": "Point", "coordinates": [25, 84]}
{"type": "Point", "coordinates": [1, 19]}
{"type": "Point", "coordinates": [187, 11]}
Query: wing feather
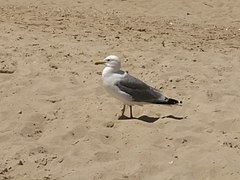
{"type": "Point", "coordinates": [140, 91]}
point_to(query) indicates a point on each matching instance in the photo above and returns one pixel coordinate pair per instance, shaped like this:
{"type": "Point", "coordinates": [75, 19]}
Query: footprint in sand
{"type": "Point", "coordinates": [34, 127]}
{"type": "Point", "coordinates": [75, 133]}
{"type": "Point", "coordinates": [70, 136]}
{"type": "Point", "coordinates": [8, 66]}
{"type": "Point", "coordinates": [105, 156]}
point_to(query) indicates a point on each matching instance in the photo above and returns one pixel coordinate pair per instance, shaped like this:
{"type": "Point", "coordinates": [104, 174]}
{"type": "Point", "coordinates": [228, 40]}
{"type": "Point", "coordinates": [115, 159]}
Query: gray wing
{"type": "Point", "coordinates": [139, 91]}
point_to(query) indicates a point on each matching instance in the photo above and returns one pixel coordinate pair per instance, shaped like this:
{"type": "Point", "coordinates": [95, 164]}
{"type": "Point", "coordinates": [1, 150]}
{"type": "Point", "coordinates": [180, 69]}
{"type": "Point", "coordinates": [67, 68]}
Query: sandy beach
{"type": "Point", "coordinates": [57, 121]}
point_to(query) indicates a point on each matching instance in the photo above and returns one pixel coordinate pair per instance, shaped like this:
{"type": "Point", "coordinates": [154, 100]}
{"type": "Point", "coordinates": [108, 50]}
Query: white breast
{"type": "Point", "coordinates": [109, 80]}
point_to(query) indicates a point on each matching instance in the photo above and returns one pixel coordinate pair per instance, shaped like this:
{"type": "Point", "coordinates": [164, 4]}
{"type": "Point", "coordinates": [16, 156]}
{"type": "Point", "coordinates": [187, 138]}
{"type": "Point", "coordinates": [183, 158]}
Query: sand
{"type": "Point", "coordinates": [57, 122]}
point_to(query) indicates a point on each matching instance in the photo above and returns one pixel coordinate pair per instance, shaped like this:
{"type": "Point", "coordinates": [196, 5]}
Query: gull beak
{"type": "Point", "coordinates": [99, 62]}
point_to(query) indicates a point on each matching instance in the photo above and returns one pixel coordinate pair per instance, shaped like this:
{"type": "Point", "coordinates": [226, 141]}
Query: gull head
{"type": "Point", "coordinates": [111, 61]}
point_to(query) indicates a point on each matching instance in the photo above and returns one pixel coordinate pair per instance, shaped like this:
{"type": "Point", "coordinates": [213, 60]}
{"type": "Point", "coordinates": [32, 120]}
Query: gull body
{"type": "Point", "coordinates": [111, 75]}
{"type": "Point", "coordinates": [128, 89]}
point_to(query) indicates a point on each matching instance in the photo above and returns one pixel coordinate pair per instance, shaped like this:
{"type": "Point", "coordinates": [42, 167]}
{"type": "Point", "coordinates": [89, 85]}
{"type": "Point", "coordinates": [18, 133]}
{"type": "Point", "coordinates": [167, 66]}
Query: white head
{"type": "Point", "coordinates": [111, 61]}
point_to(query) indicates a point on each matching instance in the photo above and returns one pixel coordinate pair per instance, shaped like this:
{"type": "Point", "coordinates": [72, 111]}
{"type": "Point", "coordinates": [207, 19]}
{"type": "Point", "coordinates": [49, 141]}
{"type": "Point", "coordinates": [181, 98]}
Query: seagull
{"type": "Point", "coordinates": [128, 89]}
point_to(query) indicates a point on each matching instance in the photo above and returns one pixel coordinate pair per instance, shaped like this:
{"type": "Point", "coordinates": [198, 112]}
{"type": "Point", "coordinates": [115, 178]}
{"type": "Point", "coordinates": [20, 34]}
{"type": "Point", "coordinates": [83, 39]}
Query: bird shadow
{"type": "Point", "coordinates": [150, 119]}
{"type": "Point", "coordinates": [144, 118]}
{"type": "Point", "coordinates": [174, 117]}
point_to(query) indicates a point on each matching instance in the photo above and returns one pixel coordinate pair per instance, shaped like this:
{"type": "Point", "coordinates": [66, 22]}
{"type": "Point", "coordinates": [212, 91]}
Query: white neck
{"type": "Point", "coordinates": [108, 70]}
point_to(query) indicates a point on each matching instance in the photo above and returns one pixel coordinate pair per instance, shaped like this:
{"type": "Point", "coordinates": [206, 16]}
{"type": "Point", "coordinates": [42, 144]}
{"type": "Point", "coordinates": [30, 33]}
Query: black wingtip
{"type": "Point", "coordinates": [170, 101]}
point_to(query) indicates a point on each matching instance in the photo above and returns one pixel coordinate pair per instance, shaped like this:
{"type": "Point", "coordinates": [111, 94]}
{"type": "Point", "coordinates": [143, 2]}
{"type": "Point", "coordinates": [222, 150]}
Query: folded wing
{"type": "Point", "coordinates": [141, 92]}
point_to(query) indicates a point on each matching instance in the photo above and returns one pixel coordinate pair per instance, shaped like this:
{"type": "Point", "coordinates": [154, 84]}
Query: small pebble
{"type": "Point", "coordinates": [53, 66]}
{"type": "Point", "coordinates": [184, 141]}
{"type": "Point", "coordinates": [20, 162]}
{"type": "Point", "coordinates": [109, 124]}
{"type": "Point", "coordinates": [171, 162]}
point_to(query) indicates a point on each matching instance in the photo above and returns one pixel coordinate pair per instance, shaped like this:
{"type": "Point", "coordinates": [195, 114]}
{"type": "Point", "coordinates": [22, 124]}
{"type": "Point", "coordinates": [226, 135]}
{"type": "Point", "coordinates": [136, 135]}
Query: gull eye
{"type": "Point", "coordinates": [107, 60]}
